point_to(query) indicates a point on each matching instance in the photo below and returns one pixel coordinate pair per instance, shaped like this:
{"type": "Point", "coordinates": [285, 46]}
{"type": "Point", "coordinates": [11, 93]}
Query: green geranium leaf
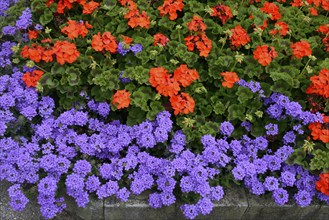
{"type": "Point", "coordinates": [46, 17]}
{"type": "Point", "coordinates": [244, 94]}
{"type": "Point", "coordinates": [236, 112]}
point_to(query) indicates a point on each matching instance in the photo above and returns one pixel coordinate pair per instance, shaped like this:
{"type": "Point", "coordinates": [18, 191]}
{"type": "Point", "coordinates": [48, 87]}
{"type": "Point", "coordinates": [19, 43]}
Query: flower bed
{"type": "Point", "coordinates": [177, 98]}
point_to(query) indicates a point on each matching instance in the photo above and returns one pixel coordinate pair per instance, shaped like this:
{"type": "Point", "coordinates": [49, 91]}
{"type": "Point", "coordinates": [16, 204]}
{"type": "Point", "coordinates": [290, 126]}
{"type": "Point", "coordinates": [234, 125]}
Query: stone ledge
{"type": "Point", "coordinates": [236, 204]}
{"type": "Point", "coordinates": [263, 207]}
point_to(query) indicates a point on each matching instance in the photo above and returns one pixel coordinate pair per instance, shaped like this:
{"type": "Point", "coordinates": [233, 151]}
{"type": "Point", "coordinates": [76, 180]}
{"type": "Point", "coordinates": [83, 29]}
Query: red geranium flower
{"type": "Point", "coordinates": [271, 9]}
{"type": "Point", "coordinates": [239, 36]}
{"type": "Point", "coordinates": [31, 79]}
{"type": "Point", "coordinates": [182, 103]}
{"type": "Point", "coordinates": [301, 49]}
{"type": "Point", "coordinates": [230, 78]}
{"type": "Point", "coordinates": [160, 39]}
{"type": "Point", "coordinates": [264, 55]}
{"type": "Point", "coordinates": [121, 99]}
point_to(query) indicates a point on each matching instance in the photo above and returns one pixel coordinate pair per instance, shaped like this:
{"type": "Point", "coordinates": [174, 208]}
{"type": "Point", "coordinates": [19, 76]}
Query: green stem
{"type": "Point", "coordinates": [179, 35]}
{"type": "Point", "coordinates": [233, 66]}
{"type": "Point", "coordinates": [40, 68]}
{"type": "Point", "coordinates": [223, 43]}
{"type": "Point", "coordinates": [260, 39]}
{"type": "Point", "coordinates": [301, 73]}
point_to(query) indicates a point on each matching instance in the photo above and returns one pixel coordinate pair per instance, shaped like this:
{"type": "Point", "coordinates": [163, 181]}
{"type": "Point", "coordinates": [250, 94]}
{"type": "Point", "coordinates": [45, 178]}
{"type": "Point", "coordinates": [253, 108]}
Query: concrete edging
{"type": "Point", "coordinates": [236, 204]}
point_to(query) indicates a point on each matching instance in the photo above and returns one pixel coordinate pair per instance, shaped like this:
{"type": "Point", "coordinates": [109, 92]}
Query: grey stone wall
{"type": "Point", "coordinates": [236, 204]}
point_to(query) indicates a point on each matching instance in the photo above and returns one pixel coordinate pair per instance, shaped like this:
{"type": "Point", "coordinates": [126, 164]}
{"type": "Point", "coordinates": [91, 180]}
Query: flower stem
{"type": "Point", "coordinates": [301, 73]}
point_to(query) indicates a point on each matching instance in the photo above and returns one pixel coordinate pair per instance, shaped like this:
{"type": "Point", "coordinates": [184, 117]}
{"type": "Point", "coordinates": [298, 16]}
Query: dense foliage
{"type": "Point", "coordinates": [108, 98]}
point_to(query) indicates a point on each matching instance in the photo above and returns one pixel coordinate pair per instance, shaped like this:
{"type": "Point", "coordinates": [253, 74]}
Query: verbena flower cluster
{"type": "Point", "coordinates": [177, 98]}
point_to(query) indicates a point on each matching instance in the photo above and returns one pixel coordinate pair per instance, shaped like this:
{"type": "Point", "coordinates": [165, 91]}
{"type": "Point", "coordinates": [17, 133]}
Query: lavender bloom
{"type": "Point", "coordinates": [82, 167]}
{"type": "Point", "coordinates": [271, 183]}
{"type": "Point", "coordinates": [211, 154]}
{"type": "Point", "coordinates": [9, 30]}
{"type": "Point", "coordinates": [38, 27]}
{"type": "Point", "coordinates": [289, 137]}
{"type": "Point", "coordinates": [323, 197]}
{"type": "Point", "coordinates": [5, 54]}
{"type": "Point", "coordinates": [136, 48]}
{"type": "Point", "coordinates": [92, 183]}
{"type": "Point", "coordinates": [275, 111]}
{"type": "Point", "coordinates": [282, 100]}
{"type": "Point", "coordinates": [160, 135]}
{"type": "Point", "coordinates": [179, 138]}
{"type": "Point", "coordinates": [166, 184]}
{"type": "Point", "coordinates": [216, 193]}
{"type": "Point", "coordinates": [167, 198]}
{"type": "Point", "coordinates": [4, 5]}
{"type": "Point", "coordinates": [283, 152]}
{"type": "Point", "coordinates": [155, 200]}
{"type": "Point", "coordinates": [123, 194]}
{"type": "Point", "coordinates": [190, 211]}
{"type": "Point", "coordinates": [124, 79]}
{"type": "Point", "coordinates": [123, 49]}
{"type": "Point", "coordinates": [25, 20]}
{"type": "Point", "coordinates": [208, 141]}
{"type": "Point", "coordinates": [226, 128]}
{"type": "Point", "coordinates": [273, 162]}
{"type": "Point", "coordinates": [46, 106]}
{"type": "Point", "coordinates": [271, 129]}
{"type": "Point", "coordinates": [186, 184]}
{"type": "Point", "coordinates": [260, 165]}
{"type": "Point", "coordinates": [142, 183]}
{"type": "Point", "coordinates": [18, 200]}
{"type": "Point", "coordinates": [204, 206]}
{"type": "Point", "coordinates": [257, 188]}
{"type": "Point", "coordinates": [47, 186]}
{"type": "Point", "coordinates": [238, 173]}
{"type": "Point", "coordinates": [294, 109]}
{"type": "Point", "coordinates": [261, 143]}
{"type": "Point", "coordinates": [303, 198]}
{"type": "Point", "coordinates": [247, 125]}
{"type": "Point", "coordinates": [74, 183]}
{"type": "Point", "coordinates": [236, 147]}
{"type": "Point", "coordinates": [280, 196]}
{"type": "Point", "coordinates": [288, 178]}
{"type": "Point", "coordinates": [147, 140]}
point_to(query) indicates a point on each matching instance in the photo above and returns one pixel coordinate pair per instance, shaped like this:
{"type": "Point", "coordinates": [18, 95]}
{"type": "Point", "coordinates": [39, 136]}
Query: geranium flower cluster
{"type": "Point", "coordinates": [199, 40]}
{"type": "Point", "coordinates": [301, 49]}
{"type": "Point", "coordinates": [319, 84]}
{"type": "Point", "coordinates": [168, 85]}
{"type": "Point", "coordinates": [239, 36]}
{"type": "Point", "coordinates": [64, 51]}
{"type": "Point", "coordinates": [104, 42]}
{"type": "Point", "coordinates": [88, 7]}
{"type": "Point", "coordinates": [230, 78]}
{"type": "Point", "coordinates": [32, 78]}
{"type": "Point", "coordinates": [171, 7]}
{"type": "Point", "coordinates": [135, 18]}
{"type": "Point", "coordinates": [222, 12]}
{"type": "Point", "coordinates": [75, 29]}
{"type": "Point", "coordinates": [324, 30]}
{"type": "Point", "coordinates": [264, 54]}
{"type": "Point", "coordinates": [323, 184]}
